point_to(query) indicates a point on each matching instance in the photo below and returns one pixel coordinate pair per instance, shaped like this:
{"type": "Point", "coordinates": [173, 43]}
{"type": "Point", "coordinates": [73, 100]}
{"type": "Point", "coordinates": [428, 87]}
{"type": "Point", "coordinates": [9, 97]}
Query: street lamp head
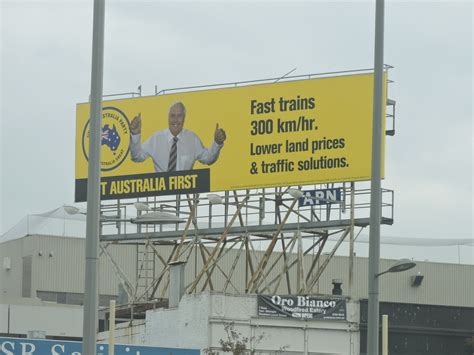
{"type": "Point", "coordinates": [71, 209]}
{"type": "Point", "coordinates": [215, 199]}
{"type": "Point", "coordinates": [141, 207]}
{"type": "Point", "coordinates": [399, 266]}
{"type": "Point", "coordinates": [157, 217]}
{"type": "Point", "coordinates": [295, 193]}
{"type": "Point", "coordinates": [402, 265]}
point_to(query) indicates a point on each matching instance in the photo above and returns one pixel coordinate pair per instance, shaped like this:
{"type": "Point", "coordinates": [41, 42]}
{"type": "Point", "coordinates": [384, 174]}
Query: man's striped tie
{"type": "Point", "coordinates": [173, 155]}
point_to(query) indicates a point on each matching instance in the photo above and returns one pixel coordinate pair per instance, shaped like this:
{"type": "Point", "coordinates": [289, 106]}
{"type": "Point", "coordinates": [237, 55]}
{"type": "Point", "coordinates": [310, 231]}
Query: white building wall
{"type": "Point", "coordinates": [182, 327]}
{"type": "Point", "coordinates": [126, 333]}
{"type": "Point", "coordinates": [199, 322]}
{"type": "Point", "coordinates": [53, 319]}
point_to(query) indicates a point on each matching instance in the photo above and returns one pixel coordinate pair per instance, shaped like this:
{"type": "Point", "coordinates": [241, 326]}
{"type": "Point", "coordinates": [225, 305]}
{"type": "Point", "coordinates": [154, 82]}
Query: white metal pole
{"type": "Point", "coordinates": [112, 327]}
{"type": "Point", "coordinates": [91, 294]}
{"type": "Point", "coordinates": [375, 190]}
{"type": "Point", "coordinates": [305, 339]}
{"type": "Point", "coordinates": [384, 334]}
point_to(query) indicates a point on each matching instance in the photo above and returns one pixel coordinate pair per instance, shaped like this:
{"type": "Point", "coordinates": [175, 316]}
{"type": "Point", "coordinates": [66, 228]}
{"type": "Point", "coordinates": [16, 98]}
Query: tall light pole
{"type": "Point", "coordinates": [375, 189]}
{"type": "Point", "coordinates": [91, 294]}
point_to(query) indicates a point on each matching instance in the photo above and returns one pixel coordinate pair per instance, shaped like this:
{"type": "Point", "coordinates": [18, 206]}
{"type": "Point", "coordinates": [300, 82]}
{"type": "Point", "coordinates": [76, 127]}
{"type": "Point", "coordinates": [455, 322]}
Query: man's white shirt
{"type": "Point", "coordinates": [158, 146]}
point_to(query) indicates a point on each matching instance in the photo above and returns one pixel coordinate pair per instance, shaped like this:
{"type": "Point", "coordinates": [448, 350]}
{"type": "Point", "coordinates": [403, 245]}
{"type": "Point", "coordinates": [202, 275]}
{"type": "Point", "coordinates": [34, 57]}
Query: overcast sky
{"type": "Point", "coordinates": [46, 63]}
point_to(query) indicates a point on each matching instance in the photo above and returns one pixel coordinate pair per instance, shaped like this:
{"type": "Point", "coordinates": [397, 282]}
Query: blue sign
{"type": "Point", "coordinates": [23, 346]}
{"type": "Point", "coordinates": [320, 197]}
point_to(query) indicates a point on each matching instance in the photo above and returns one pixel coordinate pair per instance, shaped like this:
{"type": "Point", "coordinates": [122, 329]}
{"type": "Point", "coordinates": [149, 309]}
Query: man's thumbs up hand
{"type": "Point", "coordinates": [219, 135]}
{"type": "Point", "coordinates": [136, 124]}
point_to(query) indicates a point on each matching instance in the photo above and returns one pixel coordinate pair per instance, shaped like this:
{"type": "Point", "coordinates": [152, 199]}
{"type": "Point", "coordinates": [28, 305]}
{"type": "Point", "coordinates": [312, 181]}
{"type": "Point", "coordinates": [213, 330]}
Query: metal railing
{"type": "Point", "coordinates": [262, 211]}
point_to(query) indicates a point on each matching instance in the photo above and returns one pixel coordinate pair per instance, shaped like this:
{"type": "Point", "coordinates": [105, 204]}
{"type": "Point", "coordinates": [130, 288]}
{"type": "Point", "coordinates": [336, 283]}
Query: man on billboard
{"type": "Point", "coordinates": [174, 148]}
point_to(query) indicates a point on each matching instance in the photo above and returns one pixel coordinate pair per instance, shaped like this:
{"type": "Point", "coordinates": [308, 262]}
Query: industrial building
{"type": "Point", "coordinates": [42, 277]}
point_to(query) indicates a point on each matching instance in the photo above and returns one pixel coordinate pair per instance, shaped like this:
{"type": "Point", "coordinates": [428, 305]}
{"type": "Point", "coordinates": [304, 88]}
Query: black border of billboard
{"type": "Point", "coordinates": [153, 184]}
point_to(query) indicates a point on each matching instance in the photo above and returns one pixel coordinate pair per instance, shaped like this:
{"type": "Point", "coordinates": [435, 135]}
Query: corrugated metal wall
{"type": "Point", "coordinates": [60, 268]}
{"type": "Point", "coordinates": [11, 279]}
{"type": "Point", "coordinates": [443, 284]}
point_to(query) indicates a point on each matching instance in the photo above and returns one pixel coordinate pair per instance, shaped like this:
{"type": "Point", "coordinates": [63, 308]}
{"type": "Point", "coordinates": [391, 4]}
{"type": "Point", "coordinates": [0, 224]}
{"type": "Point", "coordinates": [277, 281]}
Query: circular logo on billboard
{"type": "Point", "coordinates": [115, 138]}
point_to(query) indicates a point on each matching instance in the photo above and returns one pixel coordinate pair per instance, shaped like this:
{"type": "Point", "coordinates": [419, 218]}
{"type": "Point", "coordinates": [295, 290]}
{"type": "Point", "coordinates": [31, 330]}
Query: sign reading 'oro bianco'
{"type": "Point", "coordinates": [302, 307]}
{"type": "Point", "coordinates": [288, 133]}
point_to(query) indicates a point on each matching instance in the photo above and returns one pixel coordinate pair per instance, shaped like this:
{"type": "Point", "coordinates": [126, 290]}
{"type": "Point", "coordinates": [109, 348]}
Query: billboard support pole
{"type": "Point", "coordinates": [93, 185]}
{"type": "Point", "coordinates": [351, 242]}
{"type": "Point", "coordinates": [375, 193]}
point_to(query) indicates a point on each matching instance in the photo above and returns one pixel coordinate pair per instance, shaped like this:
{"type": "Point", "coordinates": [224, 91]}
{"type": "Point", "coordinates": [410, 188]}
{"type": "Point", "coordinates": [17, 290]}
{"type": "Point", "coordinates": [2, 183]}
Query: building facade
{"type": "Point", "coordinates": [42, 277]}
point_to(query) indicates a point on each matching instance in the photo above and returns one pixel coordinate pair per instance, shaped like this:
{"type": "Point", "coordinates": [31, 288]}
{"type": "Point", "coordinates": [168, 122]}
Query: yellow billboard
{"type": "Point", "coordinates": [287, 133]}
